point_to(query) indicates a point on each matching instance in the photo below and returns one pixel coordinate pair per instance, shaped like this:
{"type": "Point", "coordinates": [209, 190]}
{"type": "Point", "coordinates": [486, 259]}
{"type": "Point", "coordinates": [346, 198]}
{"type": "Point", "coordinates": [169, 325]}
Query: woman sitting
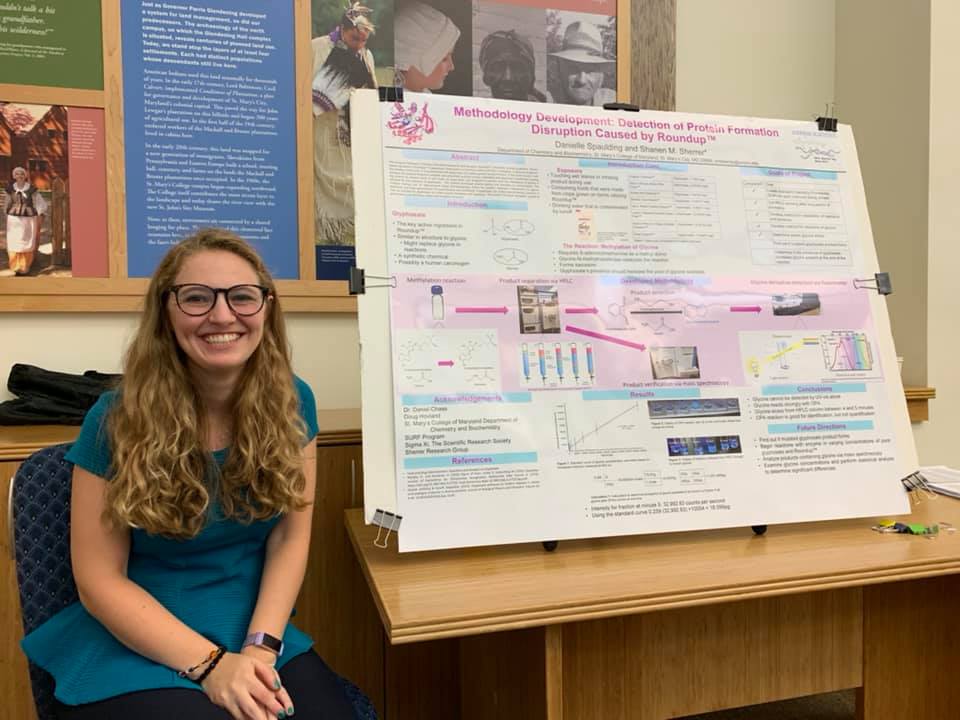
{"type": "Point", "coordinates": [193, 492]}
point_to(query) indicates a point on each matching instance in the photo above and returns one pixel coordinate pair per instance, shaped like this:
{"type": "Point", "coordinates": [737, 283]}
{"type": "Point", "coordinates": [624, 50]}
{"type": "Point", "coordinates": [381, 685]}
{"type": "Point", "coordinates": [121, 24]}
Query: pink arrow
{"type": "Point", "coordinates": [608, 338]}
{"type": "Point", "coordinates": [745, 308]}
{"type": "Point", "coordinates": [445, 363]}
{"type": "Point", "coordinates": [581, 311]}
{"type": "Point", "coordinates": [482, 310]}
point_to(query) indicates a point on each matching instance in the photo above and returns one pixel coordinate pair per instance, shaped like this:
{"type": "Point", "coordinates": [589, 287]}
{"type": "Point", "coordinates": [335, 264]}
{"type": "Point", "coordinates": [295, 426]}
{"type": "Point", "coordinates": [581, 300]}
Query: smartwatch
{"type": "Point", "coordinates": [262, 639]}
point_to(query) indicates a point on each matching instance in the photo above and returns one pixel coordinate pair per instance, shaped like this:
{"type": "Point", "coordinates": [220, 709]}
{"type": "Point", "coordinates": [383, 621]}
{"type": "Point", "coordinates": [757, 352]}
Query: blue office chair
{"type": "Point", "coordinates": [40, 521]}
{"type": "Point", "coordinates": [40, 508]}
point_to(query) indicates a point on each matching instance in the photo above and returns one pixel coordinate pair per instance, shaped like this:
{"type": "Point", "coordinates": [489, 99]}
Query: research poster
{"type": "Point", "coordinates": [209, 127]}
{"type": "Point", "coordinates": [606, 323]}
{"type": "Point", "coordinates": [56, 43]}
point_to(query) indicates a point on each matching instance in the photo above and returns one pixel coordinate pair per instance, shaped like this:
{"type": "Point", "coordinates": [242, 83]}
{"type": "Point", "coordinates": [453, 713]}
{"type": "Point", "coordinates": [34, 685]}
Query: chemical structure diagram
{"type": "Point", "coordinates": [516, 227]}
{"type": "Point", "coordinates": [407, 355]}
{"type": "Point", "coordinates": [409, 348]}
{"type": "Point", "coordinates": [510, 258]}
{"type": "Point", "coordinates": [483, 377]}
{"type": "Point", "coordinates": [472, 345]}
{"type": "Point", "coordinates": [654, 315]}
{"type": "Point", "coordinates": [658, 326]}
{"type": "Point", "coordinates": [418, 377]}
{"type": "Point", "coordinates": [448, 361]}
{"type": "Point", "coordinates": [473, 351]}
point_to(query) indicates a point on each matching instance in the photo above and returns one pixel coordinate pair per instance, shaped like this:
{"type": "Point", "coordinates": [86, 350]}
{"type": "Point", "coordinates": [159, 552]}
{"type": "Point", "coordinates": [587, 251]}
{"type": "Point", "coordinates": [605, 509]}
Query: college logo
{"type": "Point", "coordinates": [410, 123]}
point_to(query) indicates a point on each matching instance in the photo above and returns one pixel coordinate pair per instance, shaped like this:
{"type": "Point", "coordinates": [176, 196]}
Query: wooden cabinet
{"type": "Point", "coordinates": [335, 606]}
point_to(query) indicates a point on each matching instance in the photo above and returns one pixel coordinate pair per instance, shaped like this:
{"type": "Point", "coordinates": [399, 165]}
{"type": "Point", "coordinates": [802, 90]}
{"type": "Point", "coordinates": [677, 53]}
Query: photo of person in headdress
{"type": "Point", "coordinates": [581, 67]}
{"type": "Point", "coordinates": [341, 60]}
{"type": "Point", "coordinates": [424, 40]}
{"type": "Point", "coordinates": [341, 63]}
{"type": "Point", "coordinates": [509, 66]}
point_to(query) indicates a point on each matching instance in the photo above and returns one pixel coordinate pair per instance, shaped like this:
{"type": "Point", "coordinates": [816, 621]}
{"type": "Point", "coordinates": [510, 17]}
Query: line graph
{"type": "Point", "coordinates": [613, 429]}
{"type": "Point", "coordinates": [796, 356]}
{"type": "Point", "coordinates": [846, 351]}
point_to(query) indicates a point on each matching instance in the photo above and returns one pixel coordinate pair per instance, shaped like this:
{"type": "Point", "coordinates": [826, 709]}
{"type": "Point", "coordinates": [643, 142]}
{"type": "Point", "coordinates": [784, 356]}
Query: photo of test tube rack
{"type": "Point", "coordinates": [558, 365]}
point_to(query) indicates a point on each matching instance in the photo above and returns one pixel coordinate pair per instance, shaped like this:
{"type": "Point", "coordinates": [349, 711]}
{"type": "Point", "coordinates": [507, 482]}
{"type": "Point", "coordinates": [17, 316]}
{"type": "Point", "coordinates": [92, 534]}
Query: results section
{"type": "Point", "coordinates": [619, 404]}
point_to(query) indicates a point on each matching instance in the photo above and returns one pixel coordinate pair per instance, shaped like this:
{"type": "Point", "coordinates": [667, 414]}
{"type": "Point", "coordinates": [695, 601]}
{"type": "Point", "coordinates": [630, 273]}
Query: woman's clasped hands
{"type": "Point", "coordinates": [247, 686]}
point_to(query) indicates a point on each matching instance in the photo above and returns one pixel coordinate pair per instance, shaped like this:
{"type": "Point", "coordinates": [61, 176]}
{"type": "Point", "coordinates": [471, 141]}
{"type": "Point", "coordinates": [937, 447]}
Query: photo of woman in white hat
{"type": "Point", "coordinates": [424, 40]}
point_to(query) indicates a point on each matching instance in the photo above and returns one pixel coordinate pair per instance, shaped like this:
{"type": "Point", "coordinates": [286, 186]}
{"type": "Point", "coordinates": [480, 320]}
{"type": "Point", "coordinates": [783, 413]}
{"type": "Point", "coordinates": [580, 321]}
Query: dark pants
{"type": "Point", "coordinates": [315, 689]}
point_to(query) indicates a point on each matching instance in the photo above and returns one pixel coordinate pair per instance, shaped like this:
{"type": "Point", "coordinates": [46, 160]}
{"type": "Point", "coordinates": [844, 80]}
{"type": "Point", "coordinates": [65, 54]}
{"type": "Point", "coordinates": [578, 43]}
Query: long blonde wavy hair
{"type": "Point", "coordinates": [162, 477]}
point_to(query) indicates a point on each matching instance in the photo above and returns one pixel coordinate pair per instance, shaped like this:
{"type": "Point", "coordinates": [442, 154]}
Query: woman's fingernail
{"type": "Point", "coordinates": [290, 711]}
{"type": "Point", "coordinates": [276, 683]}
{"type": "Point", "coordinates": [281, 715]}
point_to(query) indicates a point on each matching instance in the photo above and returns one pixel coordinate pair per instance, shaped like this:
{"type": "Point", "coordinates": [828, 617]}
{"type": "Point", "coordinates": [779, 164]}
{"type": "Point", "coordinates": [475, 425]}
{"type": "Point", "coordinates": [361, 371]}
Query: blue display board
{"type": "Point", "coordinates": [334, 261]}
{"type": "Point", "coordinates": [210, 126]}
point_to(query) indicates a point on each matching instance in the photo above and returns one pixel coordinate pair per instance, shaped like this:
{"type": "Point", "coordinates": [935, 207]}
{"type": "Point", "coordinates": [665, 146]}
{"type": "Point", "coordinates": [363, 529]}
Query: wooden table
{"type": "Point", "coordinates": [660, 626]}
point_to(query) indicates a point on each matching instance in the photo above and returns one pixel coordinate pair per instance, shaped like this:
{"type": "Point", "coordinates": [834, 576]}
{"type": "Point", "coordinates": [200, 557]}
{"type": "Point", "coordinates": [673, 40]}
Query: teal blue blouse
{"type": "Point", "coordinates": [209, 582]}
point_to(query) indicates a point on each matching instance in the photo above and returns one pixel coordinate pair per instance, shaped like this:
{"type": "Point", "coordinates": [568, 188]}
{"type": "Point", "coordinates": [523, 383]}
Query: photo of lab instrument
{"type": "Point", "coordinates": [539, 307]}
{"type": "Point", "coordinates": [796, 304]}
{"type": "Point", "coordinates": [675, 363]}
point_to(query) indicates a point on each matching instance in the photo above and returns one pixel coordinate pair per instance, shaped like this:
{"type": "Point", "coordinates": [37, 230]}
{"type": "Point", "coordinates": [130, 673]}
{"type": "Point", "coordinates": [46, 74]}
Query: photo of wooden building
{"type": "Point", "coordinates": [34, 137]}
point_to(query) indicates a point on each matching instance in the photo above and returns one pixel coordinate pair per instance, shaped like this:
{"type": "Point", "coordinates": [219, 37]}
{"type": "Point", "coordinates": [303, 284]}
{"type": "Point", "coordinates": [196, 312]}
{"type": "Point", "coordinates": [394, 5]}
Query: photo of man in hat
{"type": "Point", "coordinates": [508, 64]}
{"type": "Point", "coordinates": [581, 67]}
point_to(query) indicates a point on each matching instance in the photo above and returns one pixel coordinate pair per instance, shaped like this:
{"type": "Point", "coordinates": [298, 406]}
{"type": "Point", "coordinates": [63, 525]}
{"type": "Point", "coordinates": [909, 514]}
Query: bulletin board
{"type": "Point", "coordinates": [69, 93]}
{"type": "Point", "coordinates": [542, 51]}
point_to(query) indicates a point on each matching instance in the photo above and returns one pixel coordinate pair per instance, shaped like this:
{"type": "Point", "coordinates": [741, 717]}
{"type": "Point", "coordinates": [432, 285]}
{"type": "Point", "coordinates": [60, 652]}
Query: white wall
{"type": "Point", "coordinates": [894, 161]}
{"type": "Point", "coordinates": [937, 439]}
{"type": "Point", "coordinates": [765, 58]}
{"type": "Point", "coordinates": [324, 348]}
{"type": "Point", "coordinates": [777, 58]}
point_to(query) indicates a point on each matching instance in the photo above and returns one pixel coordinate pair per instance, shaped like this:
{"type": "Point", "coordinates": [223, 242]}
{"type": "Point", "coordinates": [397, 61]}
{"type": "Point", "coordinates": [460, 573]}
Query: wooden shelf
{"type": "Point", "coordinates": [337, 427]}
{"type": "Point", "coordinates": [917, 402]}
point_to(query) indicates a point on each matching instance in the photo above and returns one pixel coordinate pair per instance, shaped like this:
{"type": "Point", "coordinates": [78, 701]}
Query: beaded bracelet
{"type": "Point", "coordinates": [221, 651]}
{"type": "Point", "coordinates": [212, 654]}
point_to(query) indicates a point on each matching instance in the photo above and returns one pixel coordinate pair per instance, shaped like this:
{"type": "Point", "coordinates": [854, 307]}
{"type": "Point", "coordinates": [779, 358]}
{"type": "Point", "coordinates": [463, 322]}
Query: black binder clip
{"type": "Point", "coordinates": [384, 519]}
{"type": "Point", "coordinates": [917, 484]}
{"type": "Point", "coordinates": [357, 282]}
{"type": "Point", "coordinates": [391, 93]}
{"type": "Point", "coordinates": [826, 122]}
{"type": "Point", "coordinates": [621, 106]}
{"type": "Point", "coordinates": [881, 283]}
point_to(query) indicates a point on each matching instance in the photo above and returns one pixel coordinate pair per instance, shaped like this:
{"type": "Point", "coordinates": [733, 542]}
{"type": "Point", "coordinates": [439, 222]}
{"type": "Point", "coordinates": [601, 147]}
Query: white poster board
{"type": "Point", "coordinates": [604, 323]}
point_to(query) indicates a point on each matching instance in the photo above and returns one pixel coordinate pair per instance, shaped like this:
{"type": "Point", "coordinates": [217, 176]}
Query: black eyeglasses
{"type": "Point", "coordinates": [196, 300]}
